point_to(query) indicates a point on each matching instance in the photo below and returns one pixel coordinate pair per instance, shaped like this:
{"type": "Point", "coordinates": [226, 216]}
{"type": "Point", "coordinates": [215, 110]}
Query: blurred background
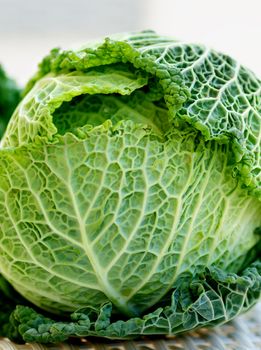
{"type": "Point", "coordinates": [30, 28]}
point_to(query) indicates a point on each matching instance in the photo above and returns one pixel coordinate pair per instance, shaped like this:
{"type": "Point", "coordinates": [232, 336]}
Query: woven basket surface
{"type": "Point", "coordinates": [244, 333]}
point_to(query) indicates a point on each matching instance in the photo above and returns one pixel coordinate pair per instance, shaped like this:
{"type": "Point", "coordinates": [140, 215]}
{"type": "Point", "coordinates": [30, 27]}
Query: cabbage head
{"type": "Point", "coordinates": [130, 197]}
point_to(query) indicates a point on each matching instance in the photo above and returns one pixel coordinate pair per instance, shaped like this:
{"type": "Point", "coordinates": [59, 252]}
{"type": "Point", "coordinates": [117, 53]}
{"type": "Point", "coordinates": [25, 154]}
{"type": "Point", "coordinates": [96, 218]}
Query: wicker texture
{"type": "Point", "coordinates": [244, 333]}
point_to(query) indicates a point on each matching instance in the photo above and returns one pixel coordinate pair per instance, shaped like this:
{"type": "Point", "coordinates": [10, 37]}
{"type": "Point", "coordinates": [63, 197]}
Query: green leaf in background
{"type": "Point", "coordinates": [9, 98]}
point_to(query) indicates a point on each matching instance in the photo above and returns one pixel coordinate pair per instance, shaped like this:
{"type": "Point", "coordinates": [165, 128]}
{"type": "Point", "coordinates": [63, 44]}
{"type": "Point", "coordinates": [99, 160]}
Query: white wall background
{"type": "Point", "coordinates": [30, 28]}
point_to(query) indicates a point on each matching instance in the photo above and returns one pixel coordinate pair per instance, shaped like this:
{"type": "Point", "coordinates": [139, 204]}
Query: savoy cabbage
{"type": "Point", "coordinates": [130, 192]}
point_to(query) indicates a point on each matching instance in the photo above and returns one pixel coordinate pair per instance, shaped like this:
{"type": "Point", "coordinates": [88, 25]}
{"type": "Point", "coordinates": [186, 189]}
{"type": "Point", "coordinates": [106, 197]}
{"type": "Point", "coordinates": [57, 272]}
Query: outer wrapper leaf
{"type": "Point", "coordinates": [205, 300]}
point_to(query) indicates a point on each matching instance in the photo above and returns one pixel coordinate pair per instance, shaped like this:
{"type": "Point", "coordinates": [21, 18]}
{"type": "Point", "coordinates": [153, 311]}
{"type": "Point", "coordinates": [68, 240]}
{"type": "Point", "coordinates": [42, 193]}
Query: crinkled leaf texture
{"type": "Point", "coordinates": [130, 191]}
{"type": "Point", "coordinates": [211, 298]}
{"type": "Point", "coordinates": [9, 98]}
